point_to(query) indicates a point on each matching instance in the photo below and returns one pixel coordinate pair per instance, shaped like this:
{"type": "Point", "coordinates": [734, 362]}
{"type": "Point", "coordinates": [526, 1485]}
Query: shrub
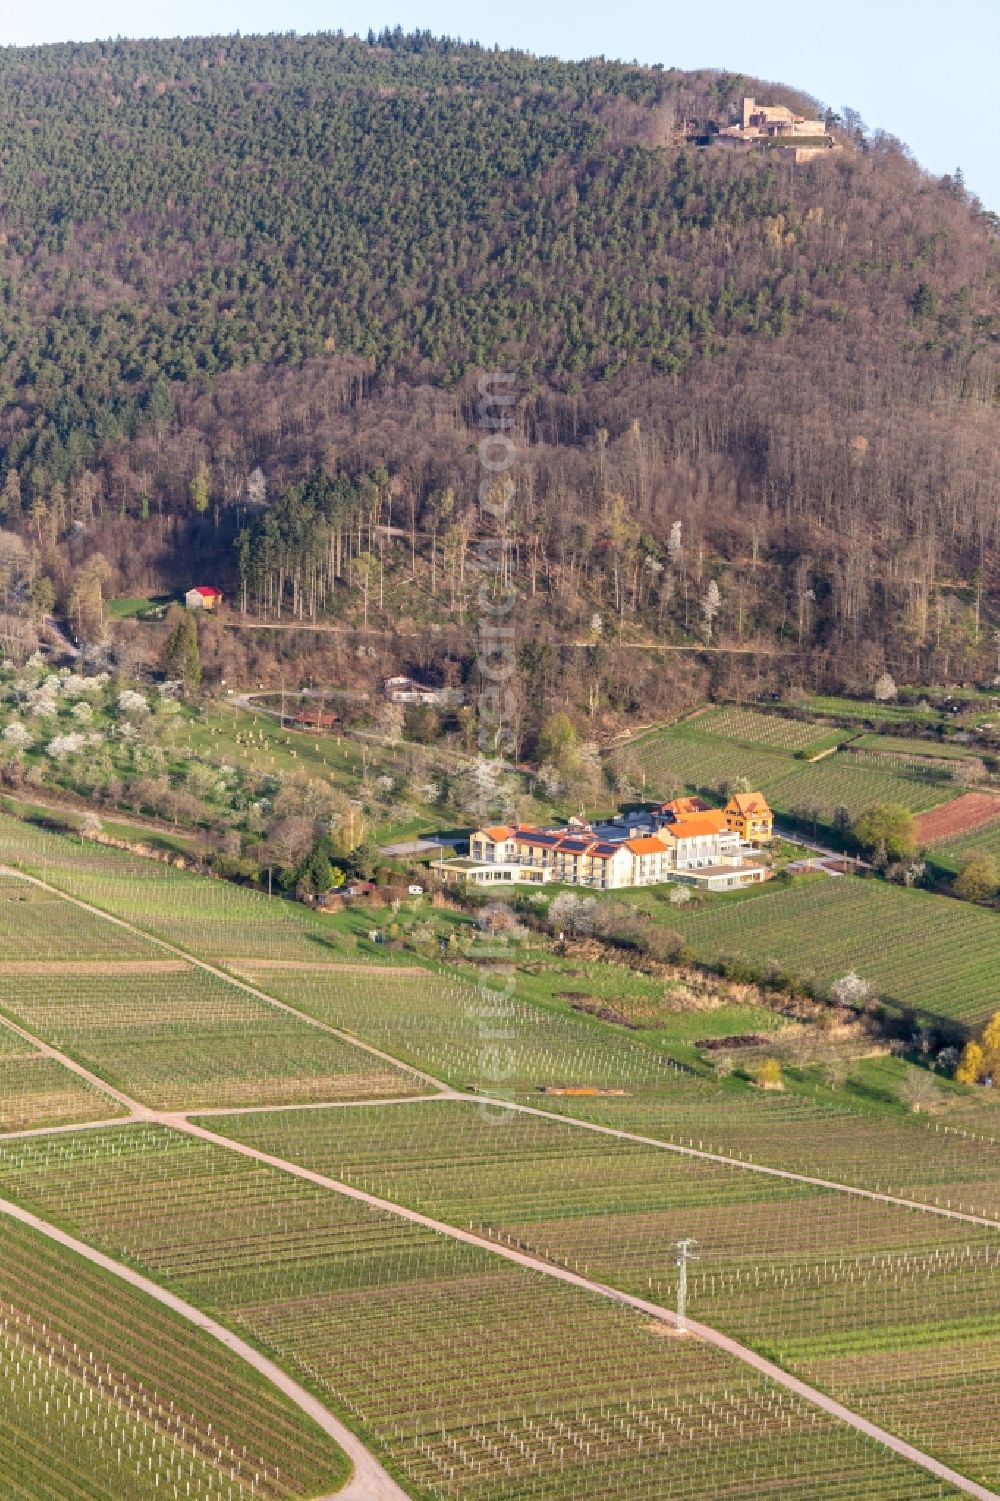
{"type": "Point", "coordinates": [971, 1064]}
{"type": "Point", "coordinates": [977, 880]}
{"type": "Point", "coordinates": [768, 1074]}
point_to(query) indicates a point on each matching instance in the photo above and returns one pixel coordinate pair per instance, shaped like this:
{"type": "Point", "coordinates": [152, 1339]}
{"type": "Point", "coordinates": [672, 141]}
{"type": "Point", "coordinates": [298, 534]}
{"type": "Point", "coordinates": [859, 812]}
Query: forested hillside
{"type": "Point", "coordinates": [232, 265]}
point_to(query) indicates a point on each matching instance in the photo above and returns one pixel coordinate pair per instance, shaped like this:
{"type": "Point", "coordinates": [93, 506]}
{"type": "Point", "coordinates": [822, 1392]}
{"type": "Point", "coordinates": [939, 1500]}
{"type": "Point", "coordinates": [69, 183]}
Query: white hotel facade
{"type": "Point", "coordinates": [693, 845]}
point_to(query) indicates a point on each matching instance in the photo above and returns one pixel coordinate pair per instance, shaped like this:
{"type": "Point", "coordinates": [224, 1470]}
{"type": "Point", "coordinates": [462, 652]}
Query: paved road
{"type": "Point", "coordinates": [179, 1121]}
{"type": "Point", "coordinates": [370, 1482]}
{"type": "Point", "coordinates": [823, 850]}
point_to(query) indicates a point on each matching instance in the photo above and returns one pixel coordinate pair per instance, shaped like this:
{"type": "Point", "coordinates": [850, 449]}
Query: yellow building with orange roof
{"type": "Point", "coordinates": [748, 815]}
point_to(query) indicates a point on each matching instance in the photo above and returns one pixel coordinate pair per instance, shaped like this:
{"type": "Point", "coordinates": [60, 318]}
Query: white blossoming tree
{"type": "Point", "coordinates": [711, 604]}
{"type": "Point", "coordinates": [61, 747]}
{"type": "Point", "coordinates": [17, 736]}
{"type": "Point", "coordinates": [132, 705]}
{"type": "Point", "coordinates": [850, 990]}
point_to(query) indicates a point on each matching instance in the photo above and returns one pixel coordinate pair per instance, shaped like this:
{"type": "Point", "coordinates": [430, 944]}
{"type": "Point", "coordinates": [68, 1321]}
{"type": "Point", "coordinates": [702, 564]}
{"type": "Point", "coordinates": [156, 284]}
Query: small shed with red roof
{"type": "Point", "coordinates": [203, 597]}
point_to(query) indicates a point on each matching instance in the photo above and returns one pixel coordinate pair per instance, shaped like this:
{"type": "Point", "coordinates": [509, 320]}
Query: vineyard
{"type": "Point", "coordinates": [908, 748]}
{"type": "Point", "coordinates": [930, 1164]}
{"type": "Point", "coordinates": [191, 1039]}
{"type": "Point", "coordinates": [939, 1167]}
{"type": "Point", "coordinates": [473, 1378]}
{"type": "Point", "coordinates": [471, 1036]}
{"type": "Point", "coordinates": [170, 1034]}
{"type": "Point", "coordinates": [437, 1024]}
{"type": "Point", "coordinates": [867, 712]}
{"type": "Point", "coordinates": [685, 757]}
{"type": "Point", "coordinates": [951, 852]}
{"type": "Point", "coordinates": [213, 919]}
{"type": "Point", "coordinates": [845, 781]}
{"type": "Point", "coordinates": [36, 926]}
{"type": "Point", "coordinates": [36, 1091]}
{"type": "Point", "coordinates": [479, 1379]}
{"type": "Point", "coordinates": [458, 1161]}
{"type": "Point", "coordinates": [772, 731]}
{"type": "Point", "coordinates": [936, 957]}
{"type": "Point", "coordinates": [709, 753]}
{"type": "Point", "coordinates": [820, 1280]}
{"type": "Point", "coordinates": [107, 1396]}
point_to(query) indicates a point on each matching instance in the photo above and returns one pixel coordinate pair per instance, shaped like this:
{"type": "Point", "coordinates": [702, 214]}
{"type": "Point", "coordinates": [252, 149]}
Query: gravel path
{"type": "Point", "coordinates": [375, 1476]}
{"type": "Point", "coordinates": [440, 1089]}
{"type": "Point", "coordinates": [586, 1284]}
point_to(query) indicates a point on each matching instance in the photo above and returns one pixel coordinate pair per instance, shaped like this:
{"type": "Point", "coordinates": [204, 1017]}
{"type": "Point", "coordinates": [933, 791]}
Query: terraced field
{"type": "Point", "coordinates": [819, 1280]}
{"type": "Point", "coordinates": [773, 731]}
{"type": "Point", "coordinates": [698, 757]}
{"type": "Point", "coordinates": [937, 957]}
{"type": "Point", "coordinates": [480, 1379]}
{"type": "Point", "coordinates": [107, 1396]}
{"type": "Point", "coordinates": [845, 781]}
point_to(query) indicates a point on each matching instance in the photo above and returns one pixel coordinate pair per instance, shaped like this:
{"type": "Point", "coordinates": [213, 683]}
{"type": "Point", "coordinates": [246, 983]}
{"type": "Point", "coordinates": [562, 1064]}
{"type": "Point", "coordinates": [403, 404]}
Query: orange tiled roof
{"type": "Point", "coordinates": [683, 807]}
{"type": "Point", "coordinates": [699, 824]}
{"type": "Point", "coordinates": [748, 802]}
{"type": "Point", "coordinates": [499, 833]}
{"type": "Point", "coordinates": [646, 845]}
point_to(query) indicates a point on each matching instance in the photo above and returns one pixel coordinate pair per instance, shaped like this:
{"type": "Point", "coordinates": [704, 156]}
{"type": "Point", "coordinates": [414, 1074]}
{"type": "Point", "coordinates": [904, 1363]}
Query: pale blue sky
{"type": "Point", "coordinates": [924, 70]}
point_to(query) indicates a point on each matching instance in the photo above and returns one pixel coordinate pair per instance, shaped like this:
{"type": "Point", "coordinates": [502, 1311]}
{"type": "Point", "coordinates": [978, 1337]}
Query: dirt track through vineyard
{"type": "Point", "coordinates": [108, 967]}
{"type": "Point", "coordinates": [381, 1486]}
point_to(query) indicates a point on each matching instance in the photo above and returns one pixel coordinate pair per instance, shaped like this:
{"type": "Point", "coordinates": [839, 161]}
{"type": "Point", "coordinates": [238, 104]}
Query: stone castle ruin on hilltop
{"type": "Point", "coordinates": [777, 124]}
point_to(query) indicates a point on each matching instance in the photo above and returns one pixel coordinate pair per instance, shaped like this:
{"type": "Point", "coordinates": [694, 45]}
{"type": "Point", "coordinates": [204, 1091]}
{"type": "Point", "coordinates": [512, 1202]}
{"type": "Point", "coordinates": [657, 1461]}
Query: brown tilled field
{"type": "Point", "coordinates": [963, 815]}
